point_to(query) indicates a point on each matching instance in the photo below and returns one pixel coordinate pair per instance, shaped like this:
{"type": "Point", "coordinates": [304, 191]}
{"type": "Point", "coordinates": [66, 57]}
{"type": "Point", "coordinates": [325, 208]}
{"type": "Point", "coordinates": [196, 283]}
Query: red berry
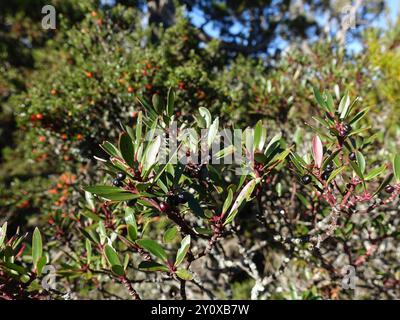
{"type": "Point", "coordinates": [39, 116]}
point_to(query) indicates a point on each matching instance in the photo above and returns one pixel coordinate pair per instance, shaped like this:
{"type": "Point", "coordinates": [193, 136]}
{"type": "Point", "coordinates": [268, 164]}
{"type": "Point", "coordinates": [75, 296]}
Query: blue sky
{"type": "Point", "coordinates": [393, 7]}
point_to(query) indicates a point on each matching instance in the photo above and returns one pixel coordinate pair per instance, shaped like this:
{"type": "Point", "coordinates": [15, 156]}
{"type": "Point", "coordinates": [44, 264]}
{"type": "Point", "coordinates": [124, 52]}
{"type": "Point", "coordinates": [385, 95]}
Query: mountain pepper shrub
{"type": "Point", "coordinates": [199, 228]}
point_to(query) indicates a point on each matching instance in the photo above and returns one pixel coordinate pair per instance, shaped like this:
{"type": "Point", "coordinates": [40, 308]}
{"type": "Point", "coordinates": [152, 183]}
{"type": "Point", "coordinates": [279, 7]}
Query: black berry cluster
{"type": "Point", "coordinates": [117, 182]}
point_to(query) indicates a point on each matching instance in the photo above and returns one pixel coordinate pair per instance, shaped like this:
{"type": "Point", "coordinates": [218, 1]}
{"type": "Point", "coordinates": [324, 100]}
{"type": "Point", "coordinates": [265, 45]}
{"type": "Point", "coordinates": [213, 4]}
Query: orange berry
{"type": "Point", "coordinates": [121, 81]}
{"type": "Point", "coordinates": [89, 74]}
{"type": "Point", "coordinates": [130, 89]}
{"type": "Point", "coordinates": [64, 136]}
{"type": "Point", "coordinates": [53, 92]}
{"type": "Point", "coordinates": [42, 138]}
{"type": "Point", "coordinates": [39, 116]}
{"type": "Point", "coordinates": [94, 14]}
{"type": "Point", "coordinates": [99, 22]}
{"type": "Point", "coordinates": [148, 86]}
{"type": "Point", "coordinates": [79, 136]}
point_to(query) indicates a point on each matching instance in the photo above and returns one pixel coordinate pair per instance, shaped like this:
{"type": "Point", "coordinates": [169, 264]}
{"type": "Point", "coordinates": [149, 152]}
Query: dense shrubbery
{"type": "Point", "coordinates": [320, 192]}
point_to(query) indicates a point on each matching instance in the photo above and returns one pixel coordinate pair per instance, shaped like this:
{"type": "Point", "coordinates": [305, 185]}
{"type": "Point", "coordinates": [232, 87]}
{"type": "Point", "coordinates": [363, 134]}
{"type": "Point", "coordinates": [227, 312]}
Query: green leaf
{"type": "Point", "coordinates": [319, 98]}
{"type": "Point", "coordinates": [272, 145]}
{"type": "Point", "coordinates": [375, 172]}
{"type": "Point", "coordinates": [154, 248]}
{"type": "Point", "coordinates": [152, 152]}
{"type": "Point", "coordinates": [88, 246]}
{"type": "Point", "coordinates": [157, 102]}
{"type": "Point", "coordinates": [244, 194]}
{"type": "Point", "coordinates": [37, 247]}
{"type": "Point", "coordinates": [206, 115]}
{"type": "Point", "coordinates": [184, 274]}
{"type": "Point", "coordinates": [334, 173]}
{"type": "Point", "coordinates": [171, 102]}
{"type": "Point", "coordinates": [360, 161]}
{"type": "Point", "coordinates": [396, 167]}
{"type": "Point", "coordinates": [3, 232]}
{"type": "Point", "coordinates": [359, 115]}
{"type": "Point", "coordinates": [152, 266]}
{"type": "Point", "coordinates": [330, 158]}
{"type": "Point", "coordinates": [40, 265]}
{"type": "Point", "coordinates": [118, 270]}
{"type": "Point", "coordinates": [89, 200]}
{"type": "Point", "coordinates": [228, 201]}
{"type": "Point", "coordinates": [121, 196]}
{"type": "Point", "coordinates": [170, 234]}
{"type": "Point", "coordinates": [126, 147]}
{"type": "Point", "coordinates": [112, 256]}
{"type": "Point", "coordinates": [99, 190]}
{"type": "Point", "coordinates": [131, 224]}
{"type": "Point", "coordinates": [344, 106]}
{"type": "Point", "coordinates": [260, 135]}
{"type": "Point", "coordinates": [110, 149]}
{"type": "Point", "coordinates": [180, 255]}
{"type": "Point", "coordinates": [357, 169]}
{"type": "Point", "coordinates": [212, 132]}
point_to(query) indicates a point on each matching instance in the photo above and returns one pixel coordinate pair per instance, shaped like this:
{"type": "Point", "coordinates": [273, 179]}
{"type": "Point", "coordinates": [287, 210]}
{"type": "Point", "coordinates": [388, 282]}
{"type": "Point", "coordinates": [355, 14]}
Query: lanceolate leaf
{"type": "Point", "coordinates": [185, 245]}
{"type": "Point", "coordinates": [126, 147]}
{"type": "Point", "coordinates": [206, 115]}
{"type": "Point", "coordinates": [110, 149]}
{"type": "Point", "coordinates": [153, 247]}
{"type": "Point", "coordinates": [396, 167]}
{"type": "Point", "coordinates": [152, 152]}
{"type": "Point", "coordinates": [111, 255]}
{"type": "Point", "coordinates": [344, 106]}
{"type": "Point", "coordinates": [360, 161]}
{"type": "Point", "coordinates": [3, 232]}
{"type": "Point", "coordinates": [260, 134]}
{"type": "Point", "coordinates": [375, 172]}
{"type": "Point", "coordinates": [244, 194]}
{"type": "Point", "coordinates": [131, 224]}
{"type": "Point", "coordinates": [37, 248]}
{"type": "Point", "coordinates": [170, 102]}
{"type": "Point", "coordinates": [334, 174]}
{"type": "Point", "coordinates": [212, 132]}
{"type": "Point", "coordinates": [152, 266]}
{"type": "Point", "coordinates": [228, 201]}
{"type": "Point", "coordinates": [170, 234]}
{"type": "Point", "coordinates": [184, 274]}
{"type": "Point", "coordinates": [357, 169]}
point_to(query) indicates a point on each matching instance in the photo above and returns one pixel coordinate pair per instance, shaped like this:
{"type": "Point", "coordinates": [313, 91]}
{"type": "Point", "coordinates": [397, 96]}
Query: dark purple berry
{"type": "Point", "coordinates": [121, 176]}
{"type": "Point", "coordinates": [306, 179]}
{"type": "Point", "coordinates": [347, 128]}
{"type": "Point", "coordinates": [329, 167]}
{"type": "Point", "coordinates": [132, 202]}
{"type": "Point", "coordinates": [325, 175]}
{"type": "Point", "coordinates": [177, 199]}
{"type": "Point", "coordinates": [117, 183]}
{"type": "Point", "coordinates": [389, 189]}
{"type": "Point", "coordinates": [164, 206]}
{"type": "Point", "coordinates": [352, 156]}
